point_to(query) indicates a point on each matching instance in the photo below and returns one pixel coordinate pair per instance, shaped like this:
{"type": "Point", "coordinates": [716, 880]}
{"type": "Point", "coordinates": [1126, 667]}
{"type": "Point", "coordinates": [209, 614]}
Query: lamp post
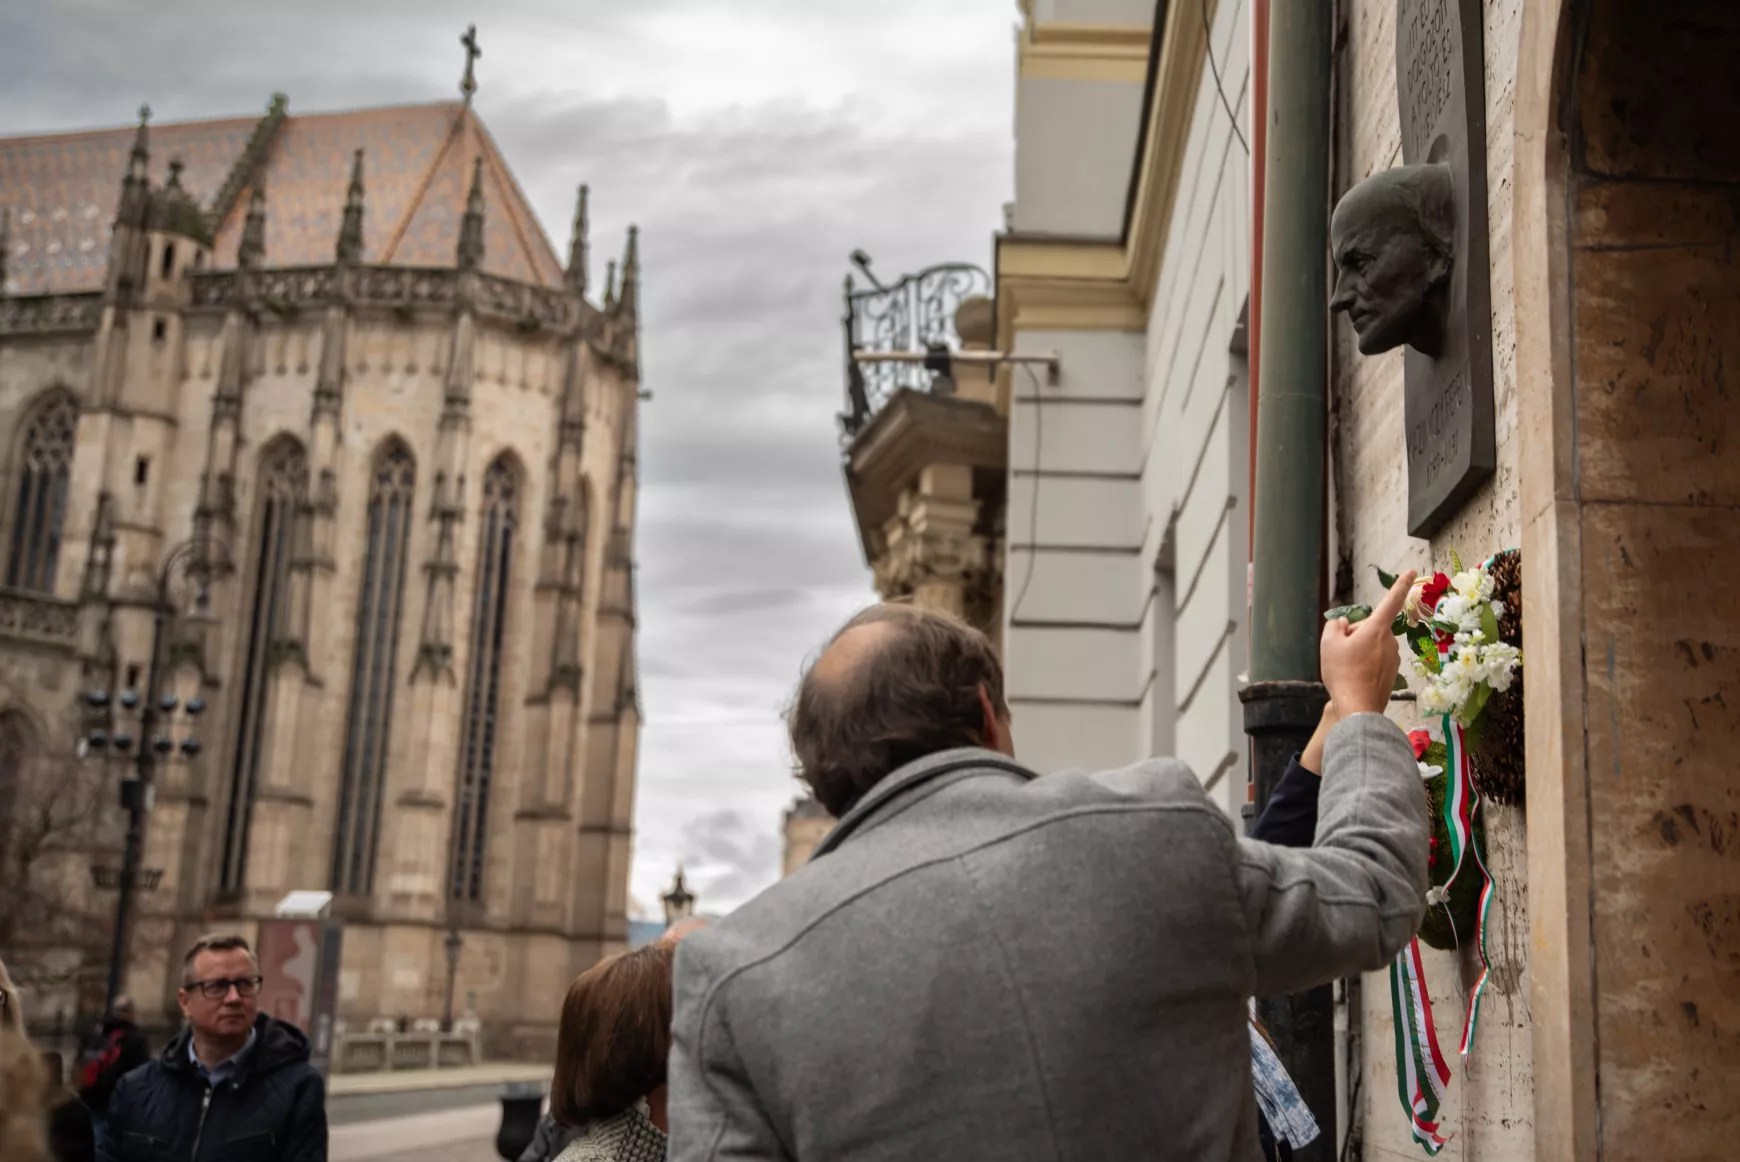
{"type": "Point", "coordinates": [679, 902]}
{"type": "Point", "coordinates": [451, 946]}
{"type": "Point", "coordinates": [155, 743]}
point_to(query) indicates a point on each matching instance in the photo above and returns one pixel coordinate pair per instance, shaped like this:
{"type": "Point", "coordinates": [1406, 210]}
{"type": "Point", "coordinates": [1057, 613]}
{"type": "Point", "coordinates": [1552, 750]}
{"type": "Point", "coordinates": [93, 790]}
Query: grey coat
{"type": "Point", "coordinates": [982, 964]}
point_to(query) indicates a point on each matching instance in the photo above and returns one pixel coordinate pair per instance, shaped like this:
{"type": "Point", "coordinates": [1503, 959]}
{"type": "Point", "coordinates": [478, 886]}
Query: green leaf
{"type": "Point", "coordinates": [1353, 613]}
{"type": "Point", "coordinates": [1388, 579]}
{"type": "Point", "coordinates": [1400, 626]}
{"type": "Point", "coordinates": [1418, 634]}
{"type": "Point", "coordinates": [1455, 562]}
{"type": "Point", "coordinates": [1471, 709]}
{"type": "Point", "coordinates": [1471, 734]}
{"type": "Point", "coordinates": [1428, 654]}
{"type": "Point", "coordinates": [1437, 754]}
{"type": "Point", "coordinates": [1488, 623]}
{"type": "Point", "coordinates": [1399, 685]}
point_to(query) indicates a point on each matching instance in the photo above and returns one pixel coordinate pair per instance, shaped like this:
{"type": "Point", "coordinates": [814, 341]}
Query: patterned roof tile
{"type": "Point", "coordinates": [62, 190]}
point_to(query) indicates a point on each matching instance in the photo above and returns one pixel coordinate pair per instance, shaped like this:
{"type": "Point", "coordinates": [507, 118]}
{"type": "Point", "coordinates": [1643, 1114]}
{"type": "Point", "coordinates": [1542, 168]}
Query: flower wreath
{"type": "Point", "coordinates": [1464, 633]}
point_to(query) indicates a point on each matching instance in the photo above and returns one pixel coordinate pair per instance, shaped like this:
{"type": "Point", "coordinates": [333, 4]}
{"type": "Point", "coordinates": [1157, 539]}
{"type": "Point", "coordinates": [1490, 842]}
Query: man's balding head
{"type": "Point", "coordinates": [895, 684]}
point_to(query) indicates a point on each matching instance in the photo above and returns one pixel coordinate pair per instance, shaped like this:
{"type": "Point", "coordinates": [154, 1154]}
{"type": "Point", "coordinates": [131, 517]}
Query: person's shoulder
{"type": "Point", "coordinates": [1151, 782]}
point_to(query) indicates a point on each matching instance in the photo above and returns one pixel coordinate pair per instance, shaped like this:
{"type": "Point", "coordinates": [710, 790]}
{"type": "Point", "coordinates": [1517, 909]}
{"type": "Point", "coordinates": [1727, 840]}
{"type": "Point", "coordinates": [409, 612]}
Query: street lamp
{"type": "Point", "coordinates": [679, 902]}
{"type": "Point", "coordinates": [155, 713]}
{"type": "Point", "coordinates": [451, 946]}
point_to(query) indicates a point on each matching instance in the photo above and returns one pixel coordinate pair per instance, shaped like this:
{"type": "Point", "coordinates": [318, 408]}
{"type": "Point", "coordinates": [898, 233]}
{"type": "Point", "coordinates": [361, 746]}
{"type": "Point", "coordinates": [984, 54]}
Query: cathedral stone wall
{"type": "Point", "coordinates": [414, 492]}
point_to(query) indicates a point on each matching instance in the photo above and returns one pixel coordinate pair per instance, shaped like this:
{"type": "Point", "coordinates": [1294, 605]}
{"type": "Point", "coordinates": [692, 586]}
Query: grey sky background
{"type": "Point", "coordinates": [756, 143]}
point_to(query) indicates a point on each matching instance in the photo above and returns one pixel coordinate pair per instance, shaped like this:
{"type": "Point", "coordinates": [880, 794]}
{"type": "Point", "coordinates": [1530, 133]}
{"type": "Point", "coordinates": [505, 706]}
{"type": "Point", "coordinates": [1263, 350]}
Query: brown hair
{"type": "Point", "coordinates": [917, 693]}
{"type": "Point", "coordinates": [615, 1036]}
{"type": "Point", "coordinates": [223, 942]}
{"type": "Point", "coordinates": [24, 1081]}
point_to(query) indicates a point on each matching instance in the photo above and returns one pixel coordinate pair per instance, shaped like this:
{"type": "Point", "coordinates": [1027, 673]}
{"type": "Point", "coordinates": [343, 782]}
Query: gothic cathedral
{"type": "Point", "coordinates": [324, 435]}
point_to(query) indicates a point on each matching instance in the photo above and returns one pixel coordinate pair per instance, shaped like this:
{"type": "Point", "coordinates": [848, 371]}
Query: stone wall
{"type": "Point", "coordinates": [1489, 1110]}
{"type": "Point", "coordinates": [555, 892]}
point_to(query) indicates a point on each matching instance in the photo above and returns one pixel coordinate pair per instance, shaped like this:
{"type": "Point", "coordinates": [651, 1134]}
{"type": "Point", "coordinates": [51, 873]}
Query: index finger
{"type": "Point", "coordinates": [1386, 610]}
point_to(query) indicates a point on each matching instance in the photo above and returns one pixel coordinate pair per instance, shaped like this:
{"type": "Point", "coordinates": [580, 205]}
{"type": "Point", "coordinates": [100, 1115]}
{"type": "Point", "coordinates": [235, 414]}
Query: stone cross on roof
{"type": "Point", "coordinates": [468, 86]}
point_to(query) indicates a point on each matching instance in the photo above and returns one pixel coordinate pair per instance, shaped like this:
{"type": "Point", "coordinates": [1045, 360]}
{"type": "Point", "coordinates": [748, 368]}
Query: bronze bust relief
{"type": "Point", "coordinates": [1393, 241]}
{"type": "Point", "coordinates": [1412, 259]}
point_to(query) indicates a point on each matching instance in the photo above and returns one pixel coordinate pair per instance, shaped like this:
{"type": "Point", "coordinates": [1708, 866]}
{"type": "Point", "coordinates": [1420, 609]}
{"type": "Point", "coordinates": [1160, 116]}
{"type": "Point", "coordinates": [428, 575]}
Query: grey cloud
{"type": "Point", "coordinates": [729, 855]}
{"type": "Point", "coordinates": [748, 555]}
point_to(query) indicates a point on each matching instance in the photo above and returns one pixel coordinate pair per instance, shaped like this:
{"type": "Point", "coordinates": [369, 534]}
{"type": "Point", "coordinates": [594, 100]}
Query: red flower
{"type": "Point", "coordinates": [1432, 590]}
{"type": "Point", "coordinates": [1421, 740]}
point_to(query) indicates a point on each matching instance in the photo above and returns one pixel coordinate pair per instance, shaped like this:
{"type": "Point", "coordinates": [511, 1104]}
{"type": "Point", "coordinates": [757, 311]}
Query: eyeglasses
{"type": "Point", "coordinates": [217, 990]}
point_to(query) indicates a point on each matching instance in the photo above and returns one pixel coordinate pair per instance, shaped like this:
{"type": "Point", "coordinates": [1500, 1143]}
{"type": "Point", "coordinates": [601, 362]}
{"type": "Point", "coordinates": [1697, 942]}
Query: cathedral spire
{"type": "Point", "coordinates": [350, 233]}
{"type": "Point", "coordinates": [471, 226]}
{"type": "Point", "coordinates": [629, 298]}
{"type": "Point", "coordinates": [578, 258]}
{"type": "Point", "coordinates": [136, 185]}
{"type": "Point", "coordinates": [253, 245]}
{"type": "Point", "coordinates": [468, 85]}
{"type": "Point", "coordinates": [141, 157]}
{"type": "Point", "coordinates": [610, 285]}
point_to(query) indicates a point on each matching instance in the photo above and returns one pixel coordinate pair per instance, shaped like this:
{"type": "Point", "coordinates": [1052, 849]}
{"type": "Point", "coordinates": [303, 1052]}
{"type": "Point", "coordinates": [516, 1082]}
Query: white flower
{"type": "Point", "coordinates": [1436, 896]}
{"type": "Point", "coordinates": [1428, 771]}
{"type": "Point", "coordinates": [1434, 701]}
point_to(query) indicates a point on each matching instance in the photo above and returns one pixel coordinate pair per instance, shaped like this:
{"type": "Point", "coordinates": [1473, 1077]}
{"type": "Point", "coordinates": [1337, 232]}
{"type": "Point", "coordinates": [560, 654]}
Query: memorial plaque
{"type": "Point", "coordinates": [1440, 89]}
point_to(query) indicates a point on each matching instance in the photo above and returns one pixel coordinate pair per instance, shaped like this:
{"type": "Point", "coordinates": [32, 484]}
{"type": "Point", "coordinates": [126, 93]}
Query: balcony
{"type": "Point", "coordinates": [38, 619]}
{"type": "Point", "coordinates": [925, 438]}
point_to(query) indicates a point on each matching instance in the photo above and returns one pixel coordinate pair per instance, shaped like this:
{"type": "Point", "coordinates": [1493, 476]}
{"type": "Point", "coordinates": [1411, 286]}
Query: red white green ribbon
{"type": "Point", "coordinates": [1421, 1074]}
{"type": "Point", "coordinates": [1461, 801]}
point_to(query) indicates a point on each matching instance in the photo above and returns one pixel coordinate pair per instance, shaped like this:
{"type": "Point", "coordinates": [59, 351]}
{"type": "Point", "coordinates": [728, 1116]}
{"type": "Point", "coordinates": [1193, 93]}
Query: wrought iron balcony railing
{"type": "Point", "coordinates": [914, 315]}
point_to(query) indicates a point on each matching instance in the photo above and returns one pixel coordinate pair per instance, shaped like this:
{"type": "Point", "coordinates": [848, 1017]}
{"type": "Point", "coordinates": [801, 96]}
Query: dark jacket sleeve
{"type": "Point", "coordinates": [120, 1114]}
{"type": "Point", "coordinates": [305, 1140]}
{"type": "Point", "coordinates": [1290, 819]}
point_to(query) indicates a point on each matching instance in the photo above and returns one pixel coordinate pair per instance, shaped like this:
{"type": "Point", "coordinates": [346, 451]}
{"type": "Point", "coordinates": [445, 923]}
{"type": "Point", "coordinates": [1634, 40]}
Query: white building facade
{"type": "Point", "coordinates": [1128, 254]}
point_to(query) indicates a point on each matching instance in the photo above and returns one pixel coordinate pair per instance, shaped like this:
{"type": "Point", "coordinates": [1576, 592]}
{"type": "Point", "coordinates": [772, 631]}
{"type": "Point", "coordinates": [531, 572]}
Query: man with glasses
{"type": "Point", "coordinates": [235, 1084]}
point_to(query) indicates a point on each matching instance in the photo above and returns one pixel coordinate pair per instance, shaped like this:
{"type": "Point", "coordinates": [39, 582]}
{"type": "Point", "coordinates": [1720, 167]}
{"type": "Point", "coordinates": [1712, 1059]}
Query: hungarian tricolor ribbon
{"type": "Point", "coordinates": [1461, 801]}
{"type": "Point", "coordinates": [1421, 1073]}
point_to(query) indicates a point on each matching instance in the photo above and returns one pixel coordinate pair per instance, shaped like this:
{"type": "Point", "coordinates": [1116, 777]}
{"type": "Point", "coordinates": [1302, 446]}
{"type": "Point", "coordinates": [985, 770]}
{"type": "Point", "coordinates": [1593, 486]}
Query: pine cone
{"type": "Point", "coordinates": [1496, 763]}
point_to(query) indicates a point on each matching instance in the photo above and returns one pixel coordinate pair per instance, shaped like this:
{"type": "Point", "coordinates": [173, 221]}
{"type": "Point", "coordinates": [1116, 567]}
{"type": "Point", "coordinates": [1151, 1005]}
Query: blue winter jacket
{"type": "Point", "coordinates": [272, 1110]}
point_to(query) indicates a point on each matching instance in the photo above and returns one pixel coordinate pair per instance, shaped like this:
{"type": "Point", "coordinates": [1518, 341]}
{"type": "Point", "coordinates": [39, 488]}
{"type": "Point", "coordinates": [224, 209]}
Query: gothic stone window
{"type": "Point", "coordinates": [373, 668]}
{"type": "Point", "coordinates": [283, 484]}
{"type": "Point", "coordinates": [40, 492]}
{"type": "Point", "coordinates": [477, 741]}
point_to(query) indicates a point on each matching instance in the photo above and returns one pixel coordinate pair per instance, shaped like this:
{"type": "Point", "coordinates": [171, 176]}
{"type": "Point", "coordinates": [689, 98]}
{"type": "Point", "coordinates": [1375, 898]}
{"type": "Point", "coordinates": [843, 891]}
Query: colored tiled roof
{"type": "Point", "coordinates": [62, 190]}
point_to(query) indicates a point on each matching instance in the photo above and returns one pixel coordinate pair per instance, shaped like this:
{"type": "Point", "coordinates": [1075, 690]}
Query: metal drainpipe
{"type": "Point", "coordinates": [1284, 698]}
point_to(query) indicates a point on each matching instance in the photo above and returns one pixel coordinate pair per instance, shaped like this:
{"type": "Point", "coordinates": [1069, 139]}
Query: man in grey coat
{"type": "Point", "coordinates": [983, 964]}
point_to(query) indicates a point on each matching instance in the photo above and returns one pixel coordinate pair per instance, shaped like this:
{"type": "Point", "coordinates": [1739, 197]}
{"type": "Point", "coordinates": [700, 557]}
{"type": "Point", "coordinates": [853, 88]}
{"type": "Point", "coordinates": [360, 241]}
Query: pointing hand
{"type": "Point", "coordinates": [1359, 662]}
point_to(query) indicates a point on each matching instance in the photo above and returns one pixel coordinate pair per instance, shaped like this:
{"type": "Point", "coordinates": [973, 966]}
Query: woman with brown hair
{"type": "Point", "coordinates": [610, 1058]}
{"type": "Point", "coordinates": [24, 1081]}
{"type": "Point", "coordinates": [41, 1120]}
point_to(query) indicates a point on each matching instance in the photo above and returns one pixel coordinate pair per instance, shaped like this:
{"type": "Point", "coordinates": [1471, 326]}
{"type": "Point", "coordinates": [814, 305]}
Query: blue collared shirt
{"type": "Point", "coordinates": [226, 1069]}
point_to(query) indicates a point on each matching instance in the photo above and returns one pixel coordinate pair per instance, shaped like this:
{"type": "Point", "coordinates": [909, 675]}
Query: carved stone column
{"type": "Point", "coordinates": [933, 552]}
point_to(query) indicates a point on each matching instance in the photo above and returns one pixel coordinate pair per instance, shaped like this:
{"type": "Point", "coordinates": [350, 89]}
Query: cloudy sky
{"type": "Point", "coordinates": [757, 143]}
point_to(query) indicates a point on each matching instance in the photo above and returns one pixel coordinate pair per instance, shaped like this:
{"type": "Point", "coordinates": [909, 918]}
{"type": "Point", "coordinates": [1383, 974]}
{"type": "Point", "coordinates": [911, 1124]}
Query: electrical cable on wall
{"type": "Point", "coordinates": [1033, 517]}
{"type": "Point", "coordinates": [1213, 67]}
